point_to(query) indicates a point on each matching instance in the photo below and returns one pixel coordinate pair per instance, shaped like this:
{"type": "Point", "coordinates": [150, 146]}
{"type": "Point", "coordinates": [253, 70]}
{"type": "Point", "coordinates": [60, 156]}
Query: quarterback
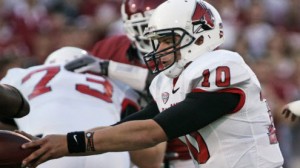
{"type": "Point", "coordinates": [121, 58]}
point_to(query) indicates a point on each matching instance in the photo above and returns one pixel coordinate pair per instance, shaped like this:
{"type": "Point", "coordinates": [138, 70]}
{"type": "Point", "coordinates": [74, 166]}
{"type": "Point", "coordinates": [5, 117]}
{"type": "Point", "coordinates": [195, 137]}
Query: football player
{"type": "Point", "coordinates": [121, 55]}
{"type": "Point", "coordinates": [209, 98]}
{"type": "Point", "coordinates": [121, 59]}
{"type": "Point", "coordinates": [63, 101]}
{"type": "Point", "coordinates": [12, 104]}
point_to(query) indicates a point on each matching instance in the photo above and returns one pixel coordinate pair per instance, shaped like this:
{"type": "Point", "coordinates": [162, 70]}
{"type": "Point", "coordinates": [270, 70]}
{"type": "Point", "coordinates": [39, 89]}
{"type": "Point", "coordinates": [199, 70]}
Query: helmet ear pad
{"type": "Point", "coordinates": [199, 41]}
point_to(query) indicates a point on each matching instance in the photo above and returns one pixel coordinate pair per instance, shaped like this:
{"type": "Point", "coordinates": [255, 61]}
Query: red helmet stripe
{"type": "Point", "coordinates": [198, 13]}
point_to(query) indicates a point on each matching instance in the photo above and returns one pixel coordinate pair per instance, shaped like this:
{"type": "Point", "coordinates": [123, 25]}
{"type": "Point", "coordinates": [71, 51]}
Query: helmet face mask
{"type": "Point", "coordinates": [175, 36]}
{"type": "Point", "coordinates": [135, 15]}
{"type": "Point", "coordinates": [197, 22]}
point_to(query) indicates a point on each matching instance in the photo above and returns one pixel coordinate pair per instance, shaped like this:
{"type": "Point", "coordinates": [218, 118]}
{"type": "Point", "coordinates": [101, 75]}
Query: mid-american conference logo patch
{"type": "Point", "coordinates": [165, 97]}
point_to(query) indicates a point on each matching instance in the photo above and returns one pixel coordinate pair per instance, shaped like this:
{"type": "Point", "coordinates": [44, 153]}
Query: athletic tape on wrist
{"type": "Point", "coordinates": [76, 142]}
{"type": "Point", "coordinates": [90, 141]}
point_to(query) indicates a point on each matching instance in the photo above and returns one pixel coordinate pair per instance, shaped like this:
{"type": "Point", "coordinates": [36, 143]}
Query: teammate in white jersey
{"type": "Point", "coordinates": [62, 101]}
{"type": "Point", "coordinates": [209, 98]}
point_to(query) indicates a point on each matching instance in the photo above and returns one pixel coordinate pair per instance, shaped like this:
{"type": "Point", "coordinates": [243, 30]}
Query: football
{"type": "Point", "coordinates": [11, 153]}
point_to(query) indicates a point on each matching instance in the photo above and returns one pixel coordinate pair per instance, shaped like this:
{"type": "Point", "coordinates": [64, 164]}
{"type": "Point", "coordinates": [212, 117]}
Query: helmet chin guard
{"type": "Point", "coordinates": [174, 71]}
{"type": "Point", "coordinates": [191, 20]}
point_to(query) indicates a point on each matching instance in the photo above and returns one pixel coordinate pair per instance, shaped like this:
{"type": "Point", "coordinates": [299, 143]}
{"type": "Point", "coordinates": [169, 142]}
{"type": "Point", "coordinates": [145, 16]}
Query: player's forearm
{"type": "Point", "coordinates": [96, 128]}
{"type": "Point", "coordinates": [129, 136]}
{"type": "Point", "coordinates": [150, 157]}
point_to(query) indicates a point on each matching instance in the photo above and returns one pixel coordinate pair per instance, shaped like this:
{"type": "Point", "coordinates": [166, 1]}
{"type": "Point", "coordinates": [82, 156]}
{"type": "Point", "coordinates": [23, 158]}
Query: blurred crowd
{"type": "Point", "coordinates": [32, 29]}
{"type": "Point", "coordinates": [265, 32]}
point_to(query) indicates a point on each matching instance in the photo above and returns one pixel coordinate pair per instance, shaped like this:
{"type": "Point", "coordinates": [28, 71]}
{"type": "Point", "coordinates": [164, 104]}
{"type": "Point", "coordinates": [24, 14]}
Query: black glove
{"type": "Point", "coordinates": [88, 64]}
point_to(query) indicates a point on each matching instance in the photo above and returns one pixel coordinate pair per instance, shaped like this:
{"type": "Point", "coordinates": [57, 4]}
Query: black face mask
{"type": "Point", "coordinates": [153, 59]}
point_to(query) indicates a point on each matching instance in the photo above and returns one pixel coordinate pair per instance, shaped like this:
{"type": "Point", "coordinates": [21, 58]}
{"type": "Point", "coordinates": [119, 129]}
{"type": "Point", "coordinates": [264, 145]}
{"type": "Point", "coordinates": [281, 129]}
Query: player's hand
{"type": "Point", "coordinates": [88, 64]}
{"type": "Point", "coordinates": [292, 111]}
{"type": "Point", "coordinates": [50, 147]}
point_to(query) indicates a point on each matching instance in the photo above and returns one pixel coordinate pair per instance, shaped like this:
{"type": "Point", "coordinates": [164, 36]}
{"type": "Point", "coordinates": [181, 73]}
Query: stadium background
{"type": "Point", "coordinates": [265, 32]}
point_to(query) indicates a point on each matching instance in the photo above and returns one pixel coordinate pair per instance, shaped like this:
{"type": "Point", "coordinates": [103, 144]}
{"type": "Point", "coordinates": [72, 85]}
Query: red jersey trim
{"type": "Point", "coordinates": [127, 102]}
{"type": "Point", "coordinates": [177, 150]}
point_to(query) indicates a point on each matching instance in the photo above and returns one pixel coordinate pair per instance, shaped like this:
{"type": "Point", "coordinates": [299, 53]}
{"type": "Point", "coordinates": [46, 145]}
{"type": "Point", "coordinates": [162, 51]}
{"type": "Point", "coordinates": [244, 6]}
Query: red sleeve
{"type": "Point", "coordinates": [117, 48]}
{"type": "Point", "coordinates": [112, 48]}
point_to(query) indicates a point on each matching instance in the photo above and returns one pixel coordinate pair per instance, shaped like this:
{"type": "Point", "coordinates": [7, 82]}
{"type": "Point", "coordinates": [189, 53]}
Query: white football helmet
{"type": "Point", "coordinates": [65, 55]}
{"type": "Point", "coordinates": [198, 24]}
{"type": "Point", "coordinates": [135, 15]}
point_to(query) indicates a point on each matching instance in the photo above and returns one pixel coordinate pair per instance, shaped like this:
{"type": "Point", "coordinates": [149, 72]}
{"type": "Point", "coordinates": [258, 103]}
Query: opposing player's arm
{"type": "Point", "coordinates": [12, 104]}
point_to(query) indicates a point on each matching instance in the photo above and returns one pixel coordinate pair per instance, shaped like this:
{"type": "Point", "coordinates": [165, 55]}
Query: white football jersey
{"type": "Point", "coordinates": [244, 138]}
{"type": "Point", "coordinates": [62, 102]}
